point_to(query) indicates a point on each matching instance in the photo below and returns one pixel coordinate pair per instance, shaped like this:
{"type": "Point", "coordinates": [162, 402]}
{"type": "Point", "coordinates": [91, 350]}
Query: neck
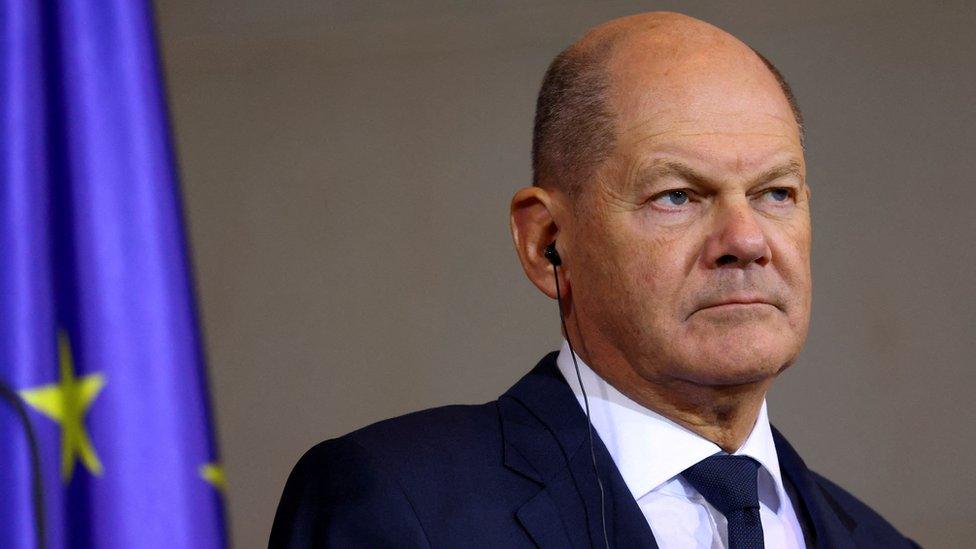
{"type": "Point", "coordinates": [723, 414]}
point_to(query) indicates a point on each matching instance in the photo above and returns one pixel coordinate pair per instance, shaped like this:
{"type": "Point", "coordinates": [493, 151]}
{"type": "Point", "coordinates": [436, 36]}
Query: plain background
{"type": "Point", "coordinates": [347, 169]}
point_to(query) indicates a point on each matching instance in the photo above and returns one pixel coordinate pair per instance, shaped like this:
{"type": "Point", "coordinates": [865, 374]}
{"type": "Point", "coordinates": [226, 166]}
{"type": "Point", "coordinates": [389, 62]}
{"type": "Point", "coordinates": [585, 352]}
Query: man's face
{"type": "Point", "coordinates": [703, 203]}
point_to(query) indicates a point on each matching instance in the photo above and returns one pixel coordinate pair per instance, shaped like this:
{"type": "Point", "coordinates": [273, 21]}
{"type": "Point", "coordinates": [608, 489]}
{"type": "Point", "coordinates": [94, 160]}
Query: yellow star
{"type": "Point", "coordinates": [66, 402]}
{"type": "Point", "coordinates": [214, 474]}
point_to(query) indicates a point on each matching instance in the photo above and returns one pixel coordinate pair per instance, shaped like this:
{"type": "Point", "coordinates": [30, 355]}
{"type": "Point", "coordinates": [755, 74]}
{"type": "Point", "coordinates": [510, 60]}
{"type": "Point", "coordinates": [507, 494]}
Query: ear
{"type": "Point", "coordinates": [533, 228]}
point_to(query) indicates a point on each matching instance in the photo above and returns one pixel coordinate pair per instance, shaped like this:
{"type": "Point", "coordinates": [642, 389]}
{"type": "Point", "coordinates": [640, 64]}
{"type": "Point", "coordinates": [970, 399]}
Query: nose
{"type": "Point", "coordinates": [737, 240]}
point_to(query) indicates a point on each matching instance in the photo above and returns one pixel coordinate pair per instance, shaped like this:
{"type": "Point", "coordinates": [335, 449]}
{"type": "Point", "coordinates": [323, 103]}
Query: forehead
{"type": "Point", "coordinates": [716, 100]}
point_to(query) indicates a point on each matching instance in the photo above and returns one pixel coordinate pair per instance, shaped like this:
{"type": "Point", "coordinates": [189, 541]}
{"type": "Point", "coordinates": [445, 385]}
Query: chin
{"type": "Point", "coordinates": [735, 374]}
{"type": "Point", "coordinates": [738, 355]}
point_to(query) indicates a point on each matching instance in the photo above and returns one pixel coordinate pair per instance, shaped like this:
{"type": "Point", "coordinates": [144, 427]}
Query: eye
{"type": "Point", "coordinates": [672, 198]}
{"type": "Point", "coordinates": [779, 194]}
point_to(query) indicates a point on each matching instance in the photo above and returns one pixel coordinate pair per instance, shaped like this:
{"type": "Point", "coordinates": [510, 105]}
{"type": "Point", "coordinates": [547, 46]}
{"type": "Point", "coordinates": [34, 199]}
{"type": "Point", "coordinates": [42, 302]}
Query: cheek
{"type": "Point", "coordinates": [657, 269]}
{"type": "Point", "coordinates": [661, 274]}
{"type": "Point", "coordinates": [791, 252]}
{"type": "Point", "coordinates": [672, 256]}
{"type": "Point", "coordinates": [639, 273]}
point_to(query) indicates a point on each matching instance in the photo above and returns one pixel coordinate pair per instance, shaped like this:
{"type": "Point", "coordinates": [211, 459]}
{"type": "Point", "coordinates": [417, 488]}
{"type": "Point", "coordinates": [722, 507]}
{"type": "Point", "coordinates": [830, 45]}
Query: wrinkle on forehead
{"type": "Point", "coordinates": [746, 119]}
{"type": "Point", "coordinates": [635, 135]}
{"type": "Point", "coordinates": [746, 144]}
{"type": "Point", "coordinates": [701, 102]}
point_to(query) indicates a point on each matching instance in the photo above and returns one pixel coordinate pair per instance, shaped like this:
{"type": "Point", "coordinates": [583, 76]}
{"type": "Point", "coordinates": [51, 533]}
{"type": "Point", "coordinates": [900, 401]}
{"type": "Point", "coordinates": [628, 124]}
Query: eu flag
{"type": "Point", "coordinates": [98, 332]}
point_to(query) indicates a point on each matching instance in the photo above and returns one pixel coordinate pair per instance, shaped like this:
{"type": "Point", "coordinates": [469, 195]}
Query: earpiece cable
{"type": "Point", "coordinates": [586, 405]}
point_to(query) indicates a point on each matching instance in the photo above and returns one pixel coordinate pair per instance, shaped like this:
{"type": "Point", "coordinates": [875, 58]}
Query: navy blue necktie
{"type": "Point", "coordinates": [729, 484]}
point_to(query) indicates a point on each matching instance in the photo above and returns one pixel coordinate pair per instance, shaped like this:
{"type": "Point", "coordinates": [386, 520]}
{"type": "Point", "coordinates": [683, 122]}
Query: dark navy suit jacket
{"type": "Point", "coordinates": [515, 472]}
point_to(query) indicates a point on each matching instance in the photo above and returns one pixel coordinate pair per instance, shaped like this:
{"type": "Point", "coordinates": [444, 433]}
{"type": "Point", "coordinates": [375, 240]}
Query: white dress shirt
{"type": "Point", "coordinates": [651, 451]}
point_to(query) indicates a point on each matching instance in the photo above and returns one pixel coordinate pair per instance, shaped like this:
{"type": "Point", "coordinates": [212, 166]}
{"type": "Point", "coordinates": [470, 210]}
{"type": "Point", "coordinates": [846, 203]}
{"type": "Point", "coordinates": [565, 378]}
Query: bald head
{"type": "Point", "coordinates": [622, 65]}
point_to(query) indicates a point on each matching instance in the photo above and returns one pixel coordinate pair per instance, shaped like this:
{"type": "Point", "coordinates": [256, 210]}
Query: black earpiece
{"type": "Point", "coordinates": [552, 255]}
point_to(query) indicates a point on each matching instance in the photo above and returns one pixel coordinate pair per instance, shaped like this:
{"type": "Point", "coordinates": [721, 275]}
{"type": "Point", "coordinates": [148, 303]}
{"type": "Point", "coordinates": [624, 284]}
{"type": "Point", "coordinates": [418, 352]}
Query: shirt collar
{"type": "Point", "coordinates": [650, 449]}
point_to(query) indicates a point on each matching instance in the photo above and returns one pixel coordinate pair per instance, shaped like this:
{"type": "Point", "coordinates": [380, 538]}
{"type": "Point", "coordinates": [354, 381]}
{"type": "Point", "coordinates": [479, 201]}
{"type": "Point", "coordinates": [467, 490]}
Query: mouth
{"type": "Point", "coordinates": [736, 304]}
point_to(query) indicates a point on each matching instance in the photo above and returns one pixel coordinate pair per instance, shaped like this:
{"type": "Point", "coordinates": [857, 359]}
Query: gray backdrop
{"type": "Point", "coordinates": [347, 169]}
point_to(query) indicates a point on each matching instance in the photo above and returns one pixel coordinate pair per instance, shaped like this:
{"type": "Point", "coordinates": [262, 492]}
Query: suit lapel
{"type": "Point", "coordinates": [832, 527]}
{"type": "Point", "coordinates": [545, 440]}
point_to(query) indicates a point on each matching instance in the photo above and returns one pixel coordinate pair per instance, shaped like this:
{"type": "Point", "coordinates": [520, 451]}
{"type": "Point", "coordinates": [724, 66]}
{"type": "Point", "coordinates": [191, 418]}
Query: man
{"type": "Point", "coordinates": [670, 217]}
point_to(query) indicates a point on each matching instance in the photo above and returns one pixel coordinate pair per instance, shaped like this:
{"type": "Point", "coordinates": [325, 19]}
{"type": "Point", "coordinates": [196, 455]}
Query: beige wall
{"type": "Point", "coordinates": [347, 168]}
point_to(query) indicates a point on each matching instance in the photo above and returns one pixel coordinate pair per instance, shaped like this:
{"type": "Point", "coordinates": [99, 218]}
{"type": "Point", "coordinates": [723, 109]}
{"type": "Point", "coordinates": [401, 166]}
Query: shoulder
{"type": "Point", "coordinates": [871, 525]}
{"type": "Point", "coordinates": [445, 434]}
{"type": "Point", "coordinates": [416, 440]}
{"type": "Point", "coordinates": [342, 487]}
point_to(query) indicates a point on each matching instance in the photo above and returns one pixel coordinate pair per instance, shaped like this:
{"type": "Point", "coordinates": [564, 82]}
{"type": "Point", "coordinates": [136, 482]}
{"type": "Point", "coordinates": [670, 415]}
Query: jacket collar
{"type": "Point", "coordinates": [545, 440]}
{"type": "Point", "coordinates": [832, 526]}
{"type": "Point", "coordinates": [545, 434]}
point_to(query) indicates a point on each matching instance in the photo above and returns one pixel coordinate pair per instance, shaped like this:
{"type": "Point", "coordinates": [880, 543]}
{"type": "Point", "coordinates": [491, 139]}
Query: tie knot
{"type": "Point", "coordinates": [727, 482]}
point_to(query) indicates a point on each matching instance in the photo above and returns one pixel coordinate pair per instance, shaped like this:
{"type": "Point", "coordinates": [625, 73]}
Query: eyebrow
{"type": "Point", "coordinates": [665, 168]}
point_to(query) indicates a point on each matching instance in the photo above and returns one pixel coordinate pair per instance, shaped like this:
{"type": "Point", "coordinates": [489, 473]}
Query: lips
{"type": "Point", "coordinates": [736, 299]}
{"type": "Point", "coordinates": [736, 304]}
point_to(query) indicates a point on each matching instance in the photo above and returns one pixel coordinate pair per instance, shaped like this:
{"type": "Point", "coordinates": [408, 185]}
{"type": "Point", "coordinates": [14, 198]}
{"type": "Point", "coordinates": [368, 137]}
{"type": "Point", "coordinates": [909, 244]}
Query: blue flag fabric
{"type": "Point", "coordinates": [98, 330]}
